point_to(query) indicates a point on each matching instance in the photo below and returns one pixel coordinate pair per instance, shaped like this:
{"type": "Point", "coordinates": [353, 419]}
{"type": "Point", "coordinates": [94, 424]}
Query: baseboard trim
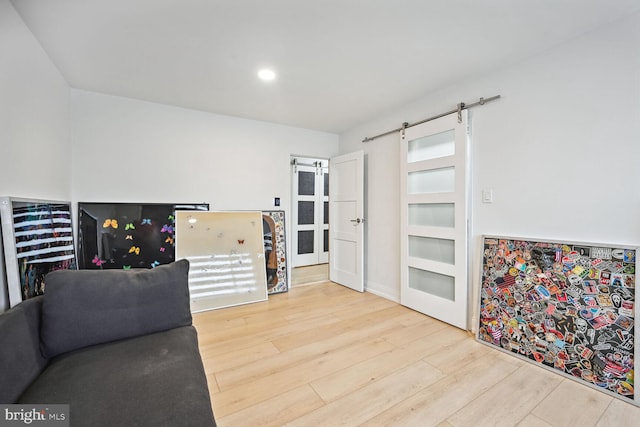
{"type": "Point", "coordinates": [375, 288]}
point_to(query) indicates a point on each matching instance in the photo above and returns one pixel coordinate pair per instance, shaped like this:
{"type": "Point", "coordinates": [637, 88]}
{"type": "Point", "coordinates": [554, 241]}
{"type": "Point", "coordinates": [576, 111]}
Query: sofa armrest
{"type": "Point", "coordinates": [88, 307]}
{"type": "Point", "coordinates": [20, 359]}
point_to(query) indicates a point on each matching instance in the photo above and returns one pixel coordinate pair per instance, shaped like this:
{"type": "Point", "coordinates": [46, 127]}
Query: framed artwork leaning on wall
{"type": "Point", "coordinates": [38, 238]}
{"type": "Point", "coordinates": [275, 251]}
{"type": "Point", "coordinates": [567, 307]}
{"type": "Point", "coordinates": [128, 235]}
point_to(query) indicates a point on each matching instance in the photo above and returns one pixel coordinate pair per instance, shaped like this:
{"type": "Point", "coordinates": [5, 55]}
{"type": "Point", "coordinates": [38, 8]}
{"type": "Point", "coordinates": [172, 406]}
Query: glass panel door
{"type": "Point", "coordinates": [310, 214]}
{"type": "Point", "coordinates": [434, 219]}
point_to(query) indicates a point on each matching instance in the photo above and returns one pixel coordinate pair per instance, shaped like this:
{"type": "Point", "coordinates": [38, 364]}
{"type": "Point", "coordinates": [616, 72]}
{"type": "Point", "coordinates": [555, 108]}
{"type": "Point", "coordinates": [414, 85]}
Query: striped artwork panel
{"type": "Point", "coordinates": [43, 235]}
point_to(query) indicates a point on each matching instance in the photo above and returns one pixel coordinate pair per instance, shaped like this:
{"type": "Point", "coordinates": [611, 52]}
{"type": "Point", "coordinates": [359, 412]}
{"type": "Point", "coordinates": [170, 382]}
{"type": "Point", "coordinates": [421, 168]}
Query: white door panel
{"type": "Point", "coordinates": [434, 204]}
{"type": "Point", "coordinates": [346, 234]}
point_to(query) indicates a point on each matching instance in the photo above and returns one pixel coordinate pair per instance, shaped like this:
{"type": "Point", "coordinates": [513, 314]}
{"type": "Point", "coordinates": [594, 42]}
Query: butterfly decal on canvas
{"type": "Point", "coordinates": [128, 237]}
{"type": "Point", "coordinates": [241, 241]}
{"type": "Point", "coordinates": [154, 264]}
{"type": "Point", "coordinates": [97, 261]}
{"type": "Point", "coordinates": [162, 249]}
{"type": "Point", "coordinates": [169, 240]}
{"type": "Point", "coordinates": [130, 226]}
{"type": "Point", "coordinates": [113, 223]}
{"type": "Point", "coordinates": [126, 267]}
{"type": "Point", "coordinates": [134, 249]}
{"type": "Point", "coordinates": [145, 221]}
{"type": "Point", "coordinates": [167, 229]}
{"type": "Point", "coordinates": [171, 218]}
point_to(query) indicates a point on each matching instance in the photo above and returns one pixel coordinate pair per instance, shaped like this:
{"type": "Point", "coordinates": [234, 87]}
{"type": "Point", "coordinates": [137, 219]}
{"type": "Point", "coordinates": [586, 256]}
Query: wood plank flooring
{"type": "Point", "coordinates": [324, 355]}
{"type": "Point", "coordinates": [310, 274]}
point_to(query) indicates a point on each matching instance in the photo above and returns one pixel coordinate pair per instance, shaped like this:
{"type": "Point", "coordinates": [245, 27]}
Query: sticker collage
{"type": "Point", "coordinates": [275, 251]}
{"type": "Point", "coordinates": [566, 306]}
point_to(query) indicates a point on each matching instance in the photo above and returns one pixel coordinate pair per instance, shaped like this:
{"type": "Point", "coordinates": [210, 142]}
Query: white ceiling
{"type": "Point", "coordinates": [339, 62]}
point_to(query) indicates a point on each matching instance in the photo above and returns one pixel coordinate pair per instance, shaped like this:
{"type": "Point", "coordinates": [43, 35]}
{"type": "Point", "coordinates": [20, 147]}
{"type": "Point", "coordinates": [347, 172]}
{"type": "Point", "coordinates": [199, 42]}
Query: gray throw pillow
{"type": "Point", "coordinates": [88, 307]}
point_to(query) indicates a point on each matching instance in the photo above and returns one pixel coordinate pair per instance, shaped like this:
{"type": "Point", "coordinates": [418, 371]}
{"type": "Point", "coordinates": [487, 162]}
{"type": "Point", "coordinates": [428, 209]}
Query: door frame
{"type": "Point", "coordinates": [319, 166]}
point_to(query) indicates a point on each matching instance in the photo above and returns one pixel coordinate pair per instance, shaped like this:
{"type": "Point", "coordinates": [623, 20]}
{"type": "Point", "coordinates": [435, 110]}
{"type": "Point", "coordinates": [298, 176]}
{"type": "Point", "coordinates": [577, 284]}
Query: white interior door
{"type": "Point", "coordinates": [323, 214]}
{"type": "Point", "coordinates": [434, 233]}
{"type": "Point", "coordinates": [346, 233]}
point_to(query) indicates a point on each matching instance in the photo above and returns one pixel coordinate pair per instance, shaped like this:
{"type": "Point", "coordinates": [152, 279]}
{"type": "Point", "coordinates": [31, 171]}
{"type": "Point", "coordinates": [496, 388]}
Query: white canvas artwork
{"type": "Point", "coordinates": [226, 255]}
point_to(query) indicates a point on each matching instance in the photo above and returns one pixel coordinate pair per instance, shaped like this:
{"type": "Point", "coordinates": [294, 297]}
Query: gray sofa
{"type": "Point", "coordinates": [117, 346]}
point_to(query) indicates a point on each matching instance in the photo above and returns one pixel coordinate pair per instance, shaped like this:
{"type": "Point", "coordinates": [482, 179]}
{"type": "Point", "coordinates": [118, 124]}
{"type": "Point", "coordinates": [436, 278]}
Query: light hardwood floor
{"type": "Point", "coordinates": [324, 355]}
{"type": "Point", "coordinates": [312, 274]}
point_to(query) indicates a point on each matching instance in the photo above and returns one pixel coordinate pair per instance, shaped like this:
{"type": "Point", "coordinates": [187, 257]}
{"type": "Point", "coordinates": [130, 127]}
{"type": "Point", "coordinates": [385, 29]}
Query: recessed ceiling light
{"type": "Point", "coordinates": [266, 74]}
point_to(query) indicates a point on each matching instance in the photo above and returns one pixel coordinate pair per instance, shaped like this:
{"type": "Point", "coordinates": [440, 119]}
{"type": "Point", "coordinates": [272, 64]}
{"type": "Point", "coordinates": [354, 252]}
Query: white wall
{"type": "Point", "coordinates": [34, 115]}
{"type": "Point", "coordinates": [35, 150]}
{"type": "Point", "coordinates": [560, 151]}
{"type": "Point", "coordinates": [127, 150]}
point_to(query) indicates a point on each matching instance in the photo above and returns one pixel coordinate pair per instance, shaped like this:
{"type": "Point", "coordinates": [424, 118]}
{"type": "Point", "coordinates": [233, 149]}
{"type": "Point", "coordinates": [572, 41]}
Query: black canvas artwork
{"type": "Point", "coordinates": [128, 235]}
